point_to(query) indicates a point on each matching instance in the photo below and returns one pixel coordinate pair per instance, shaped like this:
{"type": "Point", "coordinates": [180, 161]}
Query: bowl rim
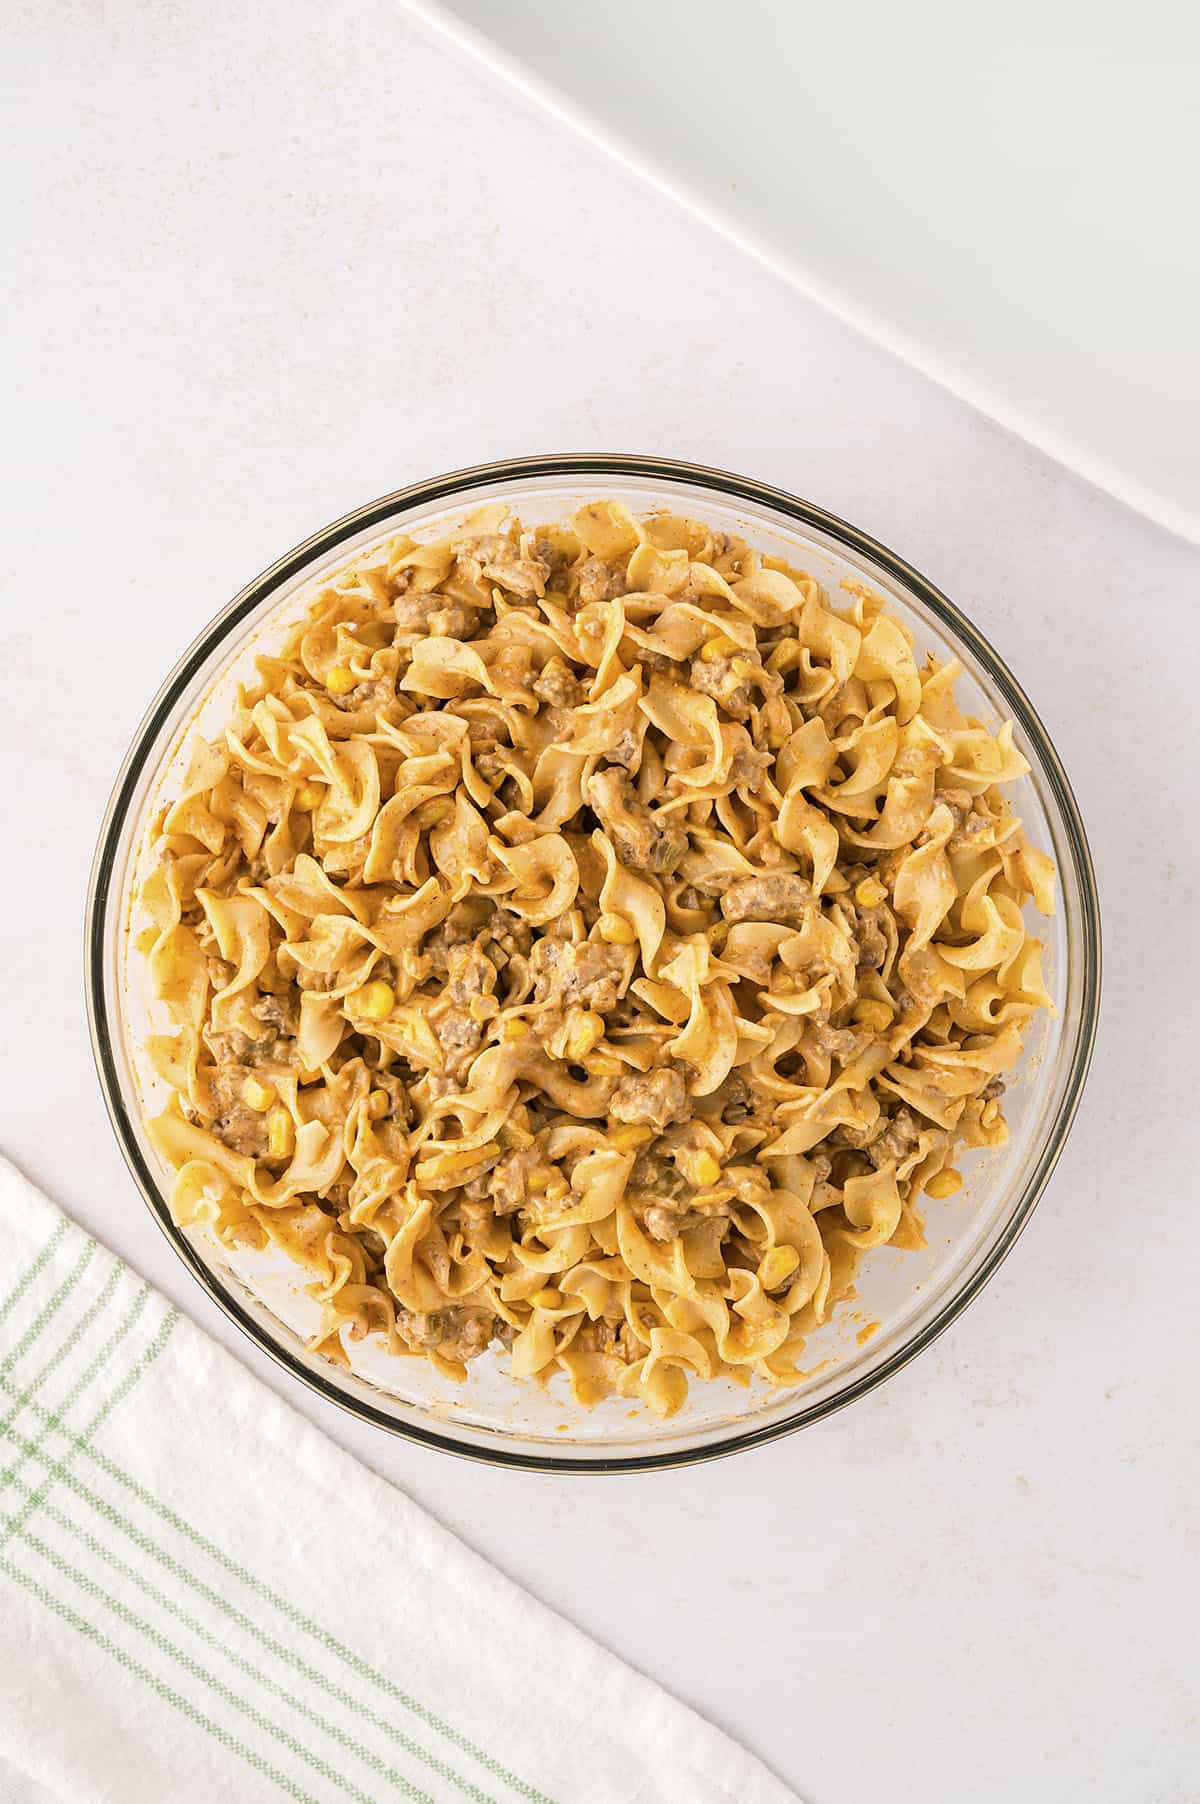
{"type": "Point", "coordinates": [443, 488]}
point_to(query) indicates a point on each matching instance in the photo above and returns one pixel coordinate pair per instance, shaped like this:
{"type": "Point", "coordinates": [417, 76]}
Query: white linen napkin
{"type": "Point", "coordinates": [202, 1599]}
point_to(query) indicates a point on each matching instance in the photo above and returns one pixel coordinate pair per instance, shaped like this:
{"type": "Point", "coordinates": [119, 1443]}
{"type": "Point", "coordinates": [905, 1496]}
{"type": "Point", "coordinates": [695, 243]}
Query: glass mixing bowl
{"type": "Point", "coordinates": [904, 1299]}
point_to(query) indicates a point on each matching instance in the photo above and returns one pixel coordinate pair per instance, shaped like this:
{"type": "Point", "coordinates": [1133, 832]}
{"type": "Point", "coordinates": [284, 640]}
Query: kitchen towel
{"type": "Point", "coordinates": [203, 1600]}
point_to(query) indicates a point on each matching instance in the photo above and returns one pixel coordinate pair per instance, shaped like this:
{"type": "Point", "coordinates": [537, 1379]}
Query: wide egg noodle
{"type": "Point", "coordinates": [588, 939]}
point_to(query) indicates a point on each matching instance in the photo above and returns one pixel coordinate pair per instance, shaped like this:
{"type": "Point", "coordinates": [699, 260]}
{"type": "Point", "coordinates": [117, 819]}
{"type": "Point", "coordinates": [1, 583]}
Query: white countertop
{"type": "Point", "coordinates": [266, 264]}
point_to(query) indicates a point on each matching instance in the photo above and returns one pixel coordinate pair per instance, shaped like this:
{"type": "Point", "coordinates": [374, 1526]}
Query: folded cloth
{"type": "Point", "coordinates": [203, 1599]}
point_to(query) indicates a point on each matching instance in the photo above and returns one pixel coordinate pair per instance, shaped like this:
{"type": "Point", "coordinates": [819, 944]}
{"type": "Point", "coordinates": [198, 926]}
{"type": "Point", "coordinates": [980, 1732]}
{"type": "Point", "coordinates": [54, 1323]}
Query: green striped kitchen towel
{"type": "Point", "coordinates": [202, 1599]}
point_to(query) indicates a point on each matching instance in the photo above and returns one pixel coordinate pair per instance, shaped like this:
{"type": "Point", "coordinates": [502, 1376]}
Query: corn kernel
{"type": "Point", "coordinates": [617, 931]}
{"type": "Point", "coordinates": [870, 893]}
{"type": "Point", "coordinates": [786, 656]}
{"type": "Point", "coordinates": [876, 1015]}
{"type": "Point", "coordinates": [585, 1032]}
{"type": "Point", "coordinates": [777, 1266]}
{"type": "Point", "coordinates": [741, 668]}
{"type": "Point", "coordinates": [514, 1030]}
{"type": "Point", "coordinates": [628, 1136]}
{"type": "Point", "coordinates": [379, 1104]}
{"type": "Point", "coordinates": [946, 1183]}
{"type": "Point", "coordinates": [258, 1097]}
{"type": "Point", "coordinates": [439, 808]}
{"type": "Point", "coordinates": [714, 649]}
{"type": "Point", "coordinates": [341, 680]}
{"type": "Point", "coordinates": [310, 795]}
{"type": "Point", "coordinates": [281, 1134]}
{"type": "Point", "coordinates": [603, 1064]}
{"type": "Point", "coordinates": [482, 1008]}
{"type": "Point", "coordinates": [706, 1168]}
{"type": "Point", "coordinates": [557, 1190]}
{"type": "Point", "coordinates": [513, 1137]}
{"type": "Point", "coordinates": [548, 1297]}
{"type": "Point", "coordinates": [373, 1001]}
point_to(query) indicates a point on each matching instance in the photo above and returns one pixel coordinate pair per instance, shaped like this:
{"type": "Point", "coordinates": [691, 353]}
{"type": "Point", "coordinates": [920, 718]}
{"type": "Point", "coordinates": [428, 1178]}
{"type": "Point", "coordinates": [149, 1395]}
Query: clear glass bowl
{"type": "Point", "coordinates": [910, 1296]}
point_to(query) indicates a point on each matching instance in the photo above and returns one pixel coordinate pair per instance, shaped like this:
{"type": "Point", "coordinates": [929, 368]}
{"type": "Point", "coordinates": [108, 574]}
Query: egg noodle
{"type": "Point", "coordinates": [590, 940]}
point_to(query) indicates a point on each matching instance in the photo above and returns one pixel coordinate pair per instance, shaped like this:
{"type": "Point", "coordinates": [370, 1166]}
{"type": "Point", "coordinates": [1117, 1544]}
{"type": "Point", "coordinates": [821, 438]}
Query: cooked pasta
{"type": "Point", "coordinates": [588, 940]}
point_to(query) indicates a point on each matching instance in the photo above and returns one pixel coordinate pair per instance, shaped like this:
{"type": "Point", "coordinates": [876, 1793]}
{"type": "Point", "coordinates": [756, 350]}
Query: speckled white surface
{"type": "Point", "coordinates": [264, 264]}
